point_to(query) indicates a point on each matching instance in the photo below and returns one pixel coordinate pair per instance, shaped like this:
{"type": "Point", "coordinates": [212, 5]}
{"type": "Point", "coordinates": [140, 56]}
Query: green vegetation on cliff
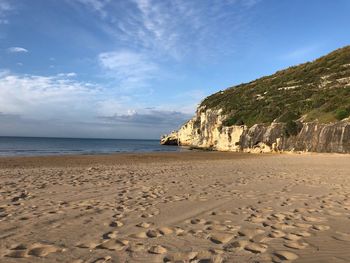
{"type": "Point", "coordinates": [314, 91]}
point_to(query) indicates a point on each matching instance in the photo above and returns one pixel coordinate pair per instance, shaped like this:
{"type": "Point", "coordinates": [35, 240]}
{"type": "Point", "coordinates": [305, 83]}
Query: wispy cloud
{"type": "Point", "coordinates": [131, 69]}
{"type": "Point", "coordinates": [5, 8]}
{"type": "Point", "coordinates": [150, 33]}
{"type": "Point", "coordinates": [45, 96]}
{"type": "Point", "coordinates": [68, 75]}
{"type": "Point", "coordinates": [17, 50]}
{"type": "Point", "coordinates": [172, 29]}
{"type": "Point", "coordinates": [96, 5]}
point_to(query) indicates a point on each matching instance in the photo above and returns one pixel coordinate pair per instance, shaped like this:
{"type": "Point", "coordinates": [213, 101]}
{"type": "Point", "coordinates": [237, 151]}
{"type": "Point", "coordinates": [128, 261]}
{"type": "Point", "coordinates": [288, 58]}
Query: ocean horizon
{"type": "Point", "coordinates": [40, 146]}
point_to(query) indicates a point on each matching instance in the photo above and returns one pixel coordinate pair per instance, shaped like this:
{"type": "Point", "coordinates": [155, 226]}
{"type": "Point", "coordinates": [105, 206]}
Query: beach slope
{"type": "Point", "coordinates": [175, 207]}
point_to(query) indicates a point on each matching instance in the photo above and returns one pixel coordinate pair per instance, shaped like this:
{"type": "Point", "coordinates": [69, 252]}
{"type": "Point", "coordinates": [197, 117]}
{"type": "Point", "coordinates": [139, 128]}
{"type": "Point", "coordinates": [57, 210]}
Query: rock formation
{"type": "Point", "coordinates": [205, 130]}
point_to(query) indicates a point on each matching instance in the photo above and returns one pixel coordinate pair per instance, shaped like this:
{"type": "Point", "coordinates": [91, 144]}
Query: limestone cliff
{"type": "Point", "coordinates": [206, 130]}
{"type": "Point", "coordinates": [302, 108]}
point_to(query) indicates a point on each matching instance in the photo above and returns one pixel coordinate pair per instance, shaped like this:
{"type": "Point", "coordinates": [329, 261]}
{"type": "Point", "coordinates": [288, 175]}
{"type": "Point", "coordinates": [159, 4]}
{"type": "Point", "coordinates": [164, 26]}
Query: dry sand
{"type": "Point", "coordinates": [176, 207]}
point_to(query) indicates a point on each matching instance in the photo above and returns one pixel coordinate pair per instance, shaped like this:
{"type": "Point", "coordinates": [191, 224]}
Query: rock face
{"type": "Point", "coordinates": [170, 139]}
{"type": "Point", "coordinates": [205, 130]}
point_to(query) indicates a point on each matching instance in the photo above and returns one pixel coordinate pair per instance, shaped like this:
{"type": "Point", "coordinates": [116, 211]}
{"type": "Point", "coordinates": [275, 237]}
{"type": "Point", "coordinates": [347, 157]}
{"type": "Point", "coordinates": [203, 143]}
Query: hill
{"type": "Point", "coordinates": [314, 91]}
{"type": "Point", "coordinates": [302, 108]}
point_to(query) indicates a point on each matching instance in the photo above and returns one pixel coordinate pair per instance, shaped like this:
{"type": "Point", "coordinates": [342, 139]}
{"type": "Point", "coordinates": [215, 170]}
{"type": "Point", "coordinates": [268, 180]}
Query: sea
{"type": "Point", "coordinates": [37, 146]}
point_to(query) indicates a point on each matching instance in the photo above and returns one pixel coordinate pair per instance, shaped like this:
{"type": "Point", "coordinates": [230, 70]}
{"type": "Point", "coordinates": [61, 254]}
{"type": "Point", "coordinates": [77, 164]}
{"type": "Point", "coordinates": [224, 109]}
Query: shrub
{"type": "Point", "coordinates": [197, 123]}
{"type": "Point", "coordinates": [230, 121]}
{"type": "Point", "coordinates": [288, 117]}
{"type": "Point", "coordinates": [292, 128]}
{"type": "Point", "coordinates": [342, 114]}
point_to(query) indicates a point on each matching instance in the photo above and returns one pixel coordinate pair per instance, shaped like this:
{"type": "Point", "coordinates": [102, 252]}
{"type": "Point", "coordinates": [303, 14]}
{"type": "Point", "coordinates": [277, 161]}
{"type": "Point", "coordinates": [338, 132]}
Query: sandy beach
{"type": "Point", "coordinates": [176, 207]}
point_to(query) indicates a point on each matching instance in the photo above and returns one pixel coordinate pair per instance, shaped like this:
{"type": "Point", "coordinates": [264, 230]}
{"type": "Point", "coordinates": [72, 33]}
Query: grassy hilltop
{"type": "Point", "coordinates": [314, 91]}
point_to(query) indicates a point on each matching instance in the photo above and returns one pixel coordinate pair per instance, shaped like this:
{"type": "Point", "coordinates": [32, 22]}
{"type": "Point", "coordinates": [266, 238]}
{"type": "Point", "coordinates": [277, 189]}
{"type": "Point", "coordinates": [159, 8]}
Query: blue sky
{"type": "Point", "coordinates": [138, 68]}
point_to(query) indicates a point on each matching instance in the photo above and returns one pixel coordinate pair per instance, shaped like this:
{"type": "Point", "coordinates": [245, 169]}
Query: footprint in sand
{"type": "Point", "coordinates": [320, 227]}
{"type": "Point", "coordinates": [281, 256]}
{"type": "Point", "coordinates": [236, 245]}
{"type": "Point", "coordinates": [312, 219]}
{"type": "Point", "coordinates": [114, 244]}
{"type": "Point", "coordinates": [36, 250]}
{"type": "Point", "coordinates": [281, 226]}
{"type": "Point", "coordinates": [342, 236]}
{"type": "Point", "coordinates": [217, 227]}
{"type": "Point", "coordinates": [295, 245]}
{"type": "Point", "coordinates": [158, 249]}
{"type": "Point", "coordinates": [292, 237]}
{"type": "Point", "coordinates": [181, 257]}
{"type": "Point", "coordinates": [165, 231]}
{"type": "Point", "coordinates": [250, 233]}
{"type": "Point", "coordinates": [302, 225]}
{"type": "Point", "coordinates": [221, 238]}
{"type": "Point", "coordinates": [17, 254]}
{"type": "Point", "coordinates": [302, 233]}
{"type": "Point", "coordinates": [89, 245]}
{"type": "Point", "coordinates": [136, 247]}
{"type": "Point", "coordinates": [256, 247]}
{"type": "Point", "coordinates": [196, 221]}
{"type": "Point", "coordinates": [277, 234]}
{"type": "Point", "coordinates": [103, 260]}
{"type": "Point", "coordinates": [116, 223]}
{"type": "Point", "coordinates": [144, 224]}
{"type": "Point", "coordinates": [152, 233]}
{"type": "Point", "coordinates": [207, 256]}
{"type": "Point", "coordinates": [40, 250]}
{"type": "Point", "coordinates": [110, 235]}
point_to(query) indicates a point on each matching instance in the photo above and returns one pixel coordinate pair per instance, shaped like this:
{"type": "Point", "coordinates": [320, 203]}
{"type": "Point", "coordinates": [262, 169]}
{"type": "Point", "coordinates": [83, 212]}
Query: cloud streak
{"type": "Point", "coordinates": [177, 29]}
{"type": "Point", "coordinates": [5, 8]}
{"type": "Point", "coordinates": [96, 5]}
{"type": "Point", "coordinates": [131, 69]}
{"type": "Point", "coordinates": [17, 50]}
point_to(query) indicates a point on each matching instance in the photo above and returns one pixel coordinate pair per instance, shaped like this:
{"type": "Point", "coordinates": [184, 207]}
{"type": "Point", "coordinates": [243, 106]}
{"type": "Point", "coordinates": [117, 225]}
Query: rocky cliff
{"type": "Point", "coordinates": [206, 130]}
{"type": "Point", "coordinates": [301, 108]}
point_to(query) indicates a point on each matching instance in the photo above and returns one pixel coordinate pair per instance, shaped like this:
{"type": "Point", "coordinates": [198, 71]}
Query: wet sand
{"type": "Point", "coordinates": [175, 207]}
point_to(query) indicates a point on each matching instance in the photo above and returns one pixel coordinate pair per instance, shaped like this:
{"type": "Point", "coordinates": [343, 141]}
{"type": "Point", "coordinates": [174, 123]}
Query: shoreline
{"type": "Point", "coordinates": [118, 158]}
{"type": "Point", "coordinates": [142, 157]}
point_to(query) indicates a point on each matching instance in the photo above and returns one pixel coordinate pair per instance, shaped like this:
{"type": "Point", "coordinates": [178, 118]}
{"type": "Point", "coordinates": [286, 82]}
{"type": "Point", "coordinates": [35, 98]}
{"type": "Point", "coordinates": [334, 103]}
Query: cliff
{"type": "Point", "coordinates": [206, 130]}
{"type": "Point", "coordinates": [303, 108]}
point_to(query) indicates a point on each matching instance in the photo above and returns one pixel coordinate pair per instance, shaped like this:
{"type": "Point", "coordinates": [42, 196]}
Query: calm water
{"type": "Point", "coordinates": [25, 146]}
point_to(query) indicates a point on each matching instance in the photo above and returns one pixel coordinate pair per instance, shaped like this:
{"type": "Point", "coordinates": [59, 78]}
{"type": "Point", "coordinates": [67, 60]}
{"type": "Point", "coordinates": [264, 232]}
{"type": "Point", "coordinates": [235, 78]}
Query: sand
{"type": "Point", "coordinates": [175, 207]}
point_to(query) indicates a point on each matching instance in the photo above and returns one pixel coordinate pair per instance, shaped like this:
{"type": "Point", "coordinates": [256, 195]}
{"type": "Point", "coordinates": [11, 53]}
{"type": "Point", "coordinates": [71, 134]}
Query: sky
{"type": "Point", "coordinates": [136, 69]}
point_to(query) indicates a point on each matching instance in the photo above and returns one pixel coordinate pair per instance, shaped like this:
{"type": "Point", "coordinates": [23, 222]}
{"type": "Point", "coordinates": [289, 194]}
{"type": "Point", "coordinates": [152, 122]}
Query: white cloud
{"type": "Point", "coordinates": [172, 29]}
{"type": "Point", "coordinates": [96, 5]}
{"type": "Point", "coordinates": [17, 50]}
{"type": "Point", "coordinates": [131, 69]}
{"type": "Point", "coordinates": [59, 106]}
{"type": "Point", "coordinates": [5, 6]}
{"type": "Point", "coordinates": [45, 96]}
{"type": "Point", "coordinates": [68, 75]}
